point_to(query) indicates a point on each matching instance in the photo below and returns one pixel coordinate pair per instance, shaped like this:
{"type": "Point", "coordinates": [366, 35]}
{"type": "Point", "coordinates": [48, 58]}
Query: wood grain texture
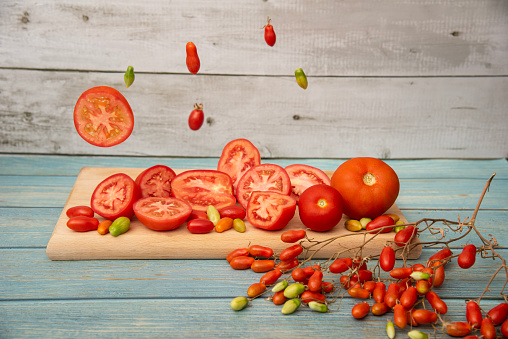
{"type": "Point", "coordinates": [382, 38]}
{"type": "Point", "coordinates": [334, 118]}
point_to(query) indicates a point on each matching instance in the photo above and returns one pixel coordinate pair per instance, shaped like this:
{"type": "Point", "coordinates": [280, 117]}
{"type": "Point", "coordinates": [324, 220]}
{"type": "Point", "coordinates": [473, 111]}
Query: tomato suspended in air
{"type": "Point", "coordinates": [270, 210]}
{"type": "Point", "coordinates": [155, 181]}
{"type": "Point", "coordinates": [114, 197]}
{"type": "Point", "coordinates": [238, 156]}
{"type": "Point", "coordinates": [192, 59]}
{"type": "Point", "coordinates": [196, 117]}
{"type": "Point", "coordinates": [320, 207]}
{"type": "Point", "coordinates": [369, 187]}
{"type": "Point", "coordinates": [103, 117]}
{"type": "Point", "coordinates": [201, 188]}
{"type": "Point", "coordinates": [265, 177]}
{"type": "Point", "coordinates": [270, 36]}
{"type": "Point", "coordinates": [162, 214]}
{"type": "Point", "coordinates": [304, 176]}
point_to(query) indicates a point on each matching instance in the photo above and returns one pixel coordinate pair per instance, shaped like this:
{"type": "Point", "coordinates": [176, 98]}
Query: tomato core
{"type": "Point", "coordinates": [369, 179]}
{"type": "Point", "coordinates": [321, 203]}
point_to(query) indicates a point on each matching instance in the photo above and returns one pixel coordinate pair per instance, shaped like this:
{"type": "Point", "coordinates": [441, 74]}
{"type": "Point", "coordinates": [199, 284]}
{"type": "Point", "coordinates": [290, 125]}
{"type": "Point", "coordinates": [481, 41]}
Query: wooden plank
{"type": "Point", "coordinates": [143, 243]}
{"type": "Point", "coordinates": [354, 116]}
{"type": "Point", "coordinates": [394, 37]}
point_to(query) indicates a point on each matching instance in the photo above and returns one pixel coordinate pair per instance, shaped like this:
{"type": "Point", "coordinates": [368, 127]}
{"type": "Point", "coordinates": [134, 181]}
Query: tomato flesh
{"type": "Point", "coordinates": [114, 196]}
{"type": "Point", "coordinates": [103, 117]}
{"type": "Point", "coordinates": [270, 210]}
{"type": "Point", "coordinates": [162, 214]}
{"type": "Point", "coordinates": [304, 176]}
{"type": "Point", "coordinates": [237, 157]}
{"type": "Point", "coordinates": [155, 181]}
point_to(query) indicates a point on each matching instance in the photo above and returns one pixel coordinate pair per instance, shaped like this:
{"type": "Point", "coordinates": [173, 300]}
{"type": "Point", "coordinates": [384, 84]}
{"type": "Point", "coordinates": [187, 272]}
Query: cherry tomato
{"type": "Point", "coordinates": [408, 297]}
{"type": "Point", "coordinates": [369, 187]}
{"type": "Point", "coordinates": [422, 286]}
{"type": "Point", "coordinates": [379, 292]}
{"type": "Point", "coordinates": [265, 177]}
{"type": "Point", "coordinates": [262, 266]}
{"type": "Point", "coordinates": [347, 281]}
{"type": "Point", "coordinates": [341, 265]}
{"type": "Point", "coordinates": [82, 223]}
{"type": "Point", "coordinates": [241, 262]}
{"type": "Point", "coordinates": [369, 285]}
{"type": "Point", "coordinates": [499, 313]}
{"type": "Point", "coordinates": [255, 289]}
{"type": "Point", "coordinates": [103, 117]}
{"type": "Point", "coordinates": [84, 211]}
{"type": "Point", "coordinates": [233, 212]}
{"type": "Point", "coordinates": [270, 210]}
{"type": "Point", "coordinates": [271, 277]}
{"type": "Point", "coordinates": [309, 271]}
{"type": "Point", "coordinates": [279, 298]}
{"type": "Point", "coordinates": [504, 329]}
{"type": "Point", "coordinates": [192, 59]}
{"type": "Point", "coordinates": [378, 225]}
{"type": "Point", "coordinates": [360, 310]}
{"type": "Point", "coordinates": [287, 265]}
{"type": "Point", "coordinates": [155, 181]}
{"type": "Point", "coordinates": [269, 34]}
{"type": "Point", "coordinates": [356, 292]}
{"type": "Point", "coordinates": [401, 272]}
{"type": "Point", "coordinates": [198, 215]}
{"type": "Point", "coordinates": [301, 78]}
{"type": "Point", "coordinates": [363, 275]}
{"type": "Point", "coordinates": [458, 329]}
{"type": "Point", "coordinates": [422, 316]}
{"type": "Point", "coordinates": [196, 117]}
{"type": "Point", "coordinates": [440, 255]}
{"type": "Point", "coordinates": [114, 197]}
{"type": "Point", "coordinates": [326, 287]}
{"type": "Point", "coordinates": [303, 177]}
{"type": "Point", "coordinates": [237, 157]}
{"type": "Point", "coordinates": [320, 207]}
{"type": "Point", "coordinates": [291, 252]}
{"type": "Point", "coordinates": [201, 188]}
{"type": "Point", "coordinates": [244, 252]}
{"type": "Point", "coordinates": [439, 274]}
{"type": "Point", "coordinates": [200, 226]}
{"type": "Point", "coordinates": [315, 281]}
{"type": "Point", "coordinates": [399, 316]}
{"type": "Point", "coordinates": [309, 296]}
{"type": "Point", "coordinates": [298, 275]}
{"type": "Point", "coordinates": [418, 267]}
{"type": "Point", "coordinates": [392, 295]}
{"type": "Point", "coordinates": [405, 236]}
{"type": "Point", "coordinates": [437, 304]}
{"type": "Point", "coordinates": [387, 259]}
{"type": "Point", "coordinates": [260, 251]}
{"type": "Point", "coordinates": [162, 214]}
{"type": "Point", "coordinates": [488, 330]}
{"type": "Point", "coordinates": [292, 236]}
{"type": "Point", "coordinates": [467, 257]}
{"type": "Point", "coordinates": [379, 308]}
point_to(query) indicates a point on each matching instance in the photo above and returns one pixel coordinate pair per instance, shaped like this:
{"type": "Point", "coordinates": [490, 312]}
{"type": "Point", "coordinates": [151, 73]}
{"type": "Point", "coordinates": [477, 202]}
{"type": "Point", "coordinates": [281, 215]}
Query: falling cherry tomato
{"type": "Point", "coordinates": [192, 60]}
{"type": "Point", "coordinates": [269, 34]}
{"type": "Point", "coordinates": [196, 117]}
{"type": "Point", "coordinates": [301, 78]}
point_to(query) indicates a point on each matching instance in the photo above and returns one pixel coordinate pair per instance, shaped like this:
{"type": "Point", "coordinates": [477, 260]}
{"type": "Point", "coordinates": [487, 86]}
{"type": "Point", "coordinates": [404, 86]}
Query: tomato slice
{"type": "Point", "coordinates": [237, 157]}
{"type": "Point", "coordinates": [114, 196]}
{"type": "Point", "coordinates": [201, 188]}
{"type": "Point", "coordinates": [304, 176]}
{"type": "Point", "coordinates": [270, 210]}
{"type": "Point", "coordinates": [265, 177]}
{"type": "Point", "coordinates": [162, 214]}
{"type": "Point", "coordinates": [155, 181]}
{"type": "Point", "coordinates": [103, 117]}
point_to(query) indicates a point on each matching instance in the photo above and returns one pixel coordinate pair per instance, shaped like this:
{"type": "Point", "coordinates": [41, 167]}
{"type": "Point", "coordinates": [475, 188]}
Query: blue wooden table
{"type": "Point", "coordinates": [190, 298]}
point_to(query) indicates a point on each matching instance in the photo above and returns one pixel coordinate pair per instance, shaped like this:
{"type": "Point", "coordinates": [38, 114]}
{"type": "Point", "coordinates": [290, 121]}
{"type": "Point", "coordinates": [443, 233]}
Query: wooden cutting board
{"type": "Point", "coordinates": [142, 243]}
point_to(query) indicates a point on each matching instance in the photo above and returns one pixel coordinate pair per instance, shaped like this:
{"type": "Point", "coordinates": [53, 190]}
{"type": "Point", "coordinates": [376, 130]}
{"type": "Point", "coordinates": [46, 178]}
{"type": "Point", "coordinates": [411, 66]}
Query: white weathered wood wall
{"type": "Point", "coordinates": [390, 79]}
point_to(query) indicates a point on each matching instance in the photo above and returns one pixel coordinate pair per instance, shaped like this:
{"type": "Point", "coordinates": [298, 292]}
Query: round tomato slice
{"type": "Point", "coordinates": [103, 117]}
{"type": "Point", "coordinates": [155, 181]}
{"type": "Point", "coordinates": [265, 177]}
{"type": "Point", "coordinates": [114, 196]}
{"type": "Point", "coordinates": [201, 188]}
{"type": "Point", "coordinates": [270, 210]}
{"type": "Point", "coordinates": [237, 157]}
{"type": "Point", "coordinates": [162, 214]}
{"type": "Point", "coordinates": [304, 176]}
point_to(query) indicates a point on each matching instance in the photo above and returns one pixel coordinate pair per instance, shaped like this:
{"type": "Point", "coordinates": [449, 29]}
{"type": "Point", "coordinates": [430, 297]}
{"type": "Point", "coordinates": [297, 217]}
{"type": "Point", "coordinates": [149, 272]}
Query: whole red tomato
{"type": "Point", "coordinates": [368, 186]}
{"type": "Point", "coordinates": [320, 207]}
{"type": "Point", "coordinates": [196, 117]}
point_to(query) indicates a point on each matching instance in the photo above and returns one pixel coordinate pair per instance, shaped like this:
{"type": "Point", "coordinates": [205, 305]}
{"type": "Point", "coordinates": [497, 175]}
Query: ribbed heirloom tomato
{"type": "Point", "coordinates": [368, 186]}
{"type": "Point", "coordinates": [320, 207]}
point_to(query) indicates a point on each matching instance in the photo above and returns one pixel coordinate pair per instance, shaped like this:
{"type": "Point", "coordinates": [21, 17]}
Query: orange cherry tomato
{"type": "Point", "coordinates": [360, 310]}
{"type": "Point", "coordinates": [261, 266]}
{"type": "Point", "coordinates": [279, 298]}
{"type": "Point", "coordinates": [238, 252]}
{"type": "Point", "coordinates": [292, 236]}
{"type": "Point", "coordinates": [271, 277]}
{"type": "Point", "coordinates": [256, 289]}
{"type": "Point", "coordinates": [241, 262]}
{"type": "Point", "coordinates": [260, 251]}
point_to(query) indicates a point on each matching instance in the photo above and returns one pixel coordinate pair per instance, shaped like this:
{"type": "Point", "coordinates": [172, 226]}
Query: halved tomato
{"type": "Point", "coordinates": [103, 117]}
{"type": "Point", "coordinates": [162, 214]}
{"type": "Point", "coordinates": [155, 181]}
{"type": "Point", "coordinates": [270, 210]}
{"type": "Point", "coordinates": [114, 196]}
{"type": "Point", "coordinates": [265, 177]}
{"type": "Point", "coordinates": [304, 176]}
{"type": "Point", "coordinates": [237, 157]}
{"type": "Point", "coordinates": [201, 188]}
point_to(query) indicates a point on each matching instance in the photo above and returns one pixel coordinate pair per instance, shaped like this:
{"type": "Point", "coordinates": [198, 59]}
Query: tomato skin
{"type": "Point", "coordinates": [298, 275]}
{"type": "Point", "coordinates": [369, 187]}
{"type": "Point", "coordinates": [196, 117]}
{"type": "Point", "coordinates": [467, 257]}
{"type": "Point", "coordinates": [360, 310]}
{"type": "Point", "coordinates": [405, 236]}
{"type": "Point", "coordinates": [114, 196]}
{"type": "Point", "coordinates": [276, 210]}
{"type": "Point", "coordinates": [233, 212]}
{"type": "Point", "coordinates": [244, 252]}
{"type": "Point", "coordinates": [422, 287]}
{"type": "Point", "coordinates": [256, 289]}
{"type": "Point", "coordinates": [201, 188]}
{"type": "Point", "coordinates": [292, 236]}
{"type": "Point", "coordinates": [327, 287]}
{"type": "Point", "coordinates": [380, 222]}
{"type": "Point", "coordinates": [155, 181]}
{"type": "Point", "coordinates": [387, 259]}
{"type": "Point", "coordinates": [357, 292]}
{"type": "Point", "coordinates": [439, 274]}
{"type": "Point", "coordinates": [271, 277]}
{"type": "Point", "coordinates": [89, 120]}
{"type": "Point", "coordinates": [320, 207]}
{"type": "Point", "coordinates": [241, 262]}
{"type": "Point", "coordinates": [270, 36]}
{"type": "Point", "coordinates": [264, 177]}
{"type": "Point", "coordinates": [84, 211]}
{"type": "Point", "coordinates": [192, 60]}
{"type": "Point", "coordinates": [458, 329]}
{"type": "Point", "coordinates": [262, 266]}
{"type": "Point", "coordinates": [260, 251]}
{"type": "Point", "coordinates": [200, 226]}
{"type": "Point", "coordinates": [287, 265]}
{"type": "Point", "coordinates": [237, 157]}
{"type": "Point", "coordinates": [437, 304]}
{"type": "Point", "coordinates": [279, 298]}
{"type": "Point", "coordinates": [499, 313]}
{"type": "Point", "coordinates": [422, 316]}
{"type": "Point", "coordinates": [488, 330]}
{"type": "Point", "coordinates": [363, 275]}
{"type": "Point", "coordinates": [379, 309]}
{"type": "Point", "coordinates": [399, 316]}
{"type": "Point", "coordinates": [83, 223]}
{"type": "Point", "coordinates": [162, 214]}
{"type": "Point", "coordinates": [291, 252]}
{"type": "Point", "coordinates": [341, 265]}
{"type": "Point", "coordinates": [304, 176]}
{"type": "Point", "coordinates": [504, 329]}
